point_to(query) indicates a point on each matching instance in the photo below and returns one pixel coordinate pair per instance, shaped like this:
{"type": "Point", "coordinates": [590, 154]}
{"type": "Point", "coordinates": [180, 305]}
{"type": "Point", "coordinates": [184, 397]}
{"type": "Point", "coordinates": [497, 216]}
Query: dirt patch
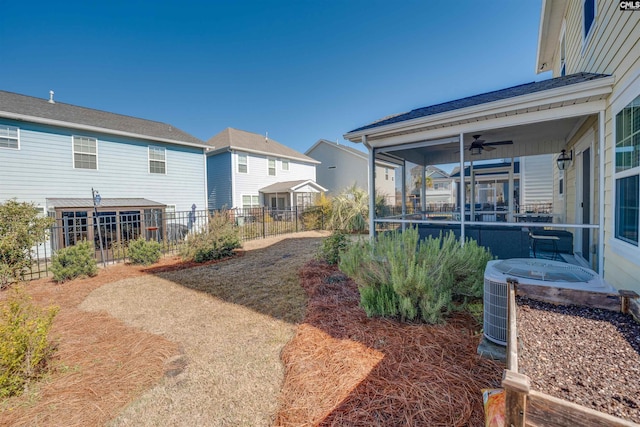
{"type": "Point", "coordinates": [343, 368]}
{"type": "Point", "coordinates": [201, 360]}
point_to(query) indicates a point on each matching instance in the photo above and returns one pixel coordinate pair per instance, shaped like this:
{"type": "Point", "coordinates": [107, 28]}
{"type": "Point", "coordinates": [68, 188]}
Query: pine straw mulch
{"type": "Point", "coordinates": [343, 368]}
{"type": "Point", "coordinates": [100, 363]}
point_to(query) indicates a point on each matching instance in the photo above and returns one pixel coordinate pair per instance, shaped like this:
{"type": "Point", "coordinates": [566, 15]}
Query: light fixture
{"type": "Point", "coordinates": [564, 160]}
{"type": "Point", "coordinates": [475, 151]}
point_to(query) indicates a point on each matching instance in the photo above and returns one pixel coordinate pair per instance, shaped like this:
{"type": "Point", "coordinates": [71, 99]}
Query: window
{"type": "Point", "coordinates": [627, 174]}
{"type": "Point", "coordinates": [561, 184]}
{"type": "Point", "coordinates": [272, 167]}
{"type": "Point", "coordinates": [589, 15]}
{"type": "Point", "coordinates": [9, 137]}
{"type": "Point", "coordinates": [386, 174]}
{"type": "Point", "coordinates": [242, 163]}
{"type": "Point", "coordinates": [157, 160]}
{"type": "Point", "coordinates": [285, 165]}
{"type": "Point", "coordinates": [85, 153]}
{"type": "Point", "coordinates": [249, 202]}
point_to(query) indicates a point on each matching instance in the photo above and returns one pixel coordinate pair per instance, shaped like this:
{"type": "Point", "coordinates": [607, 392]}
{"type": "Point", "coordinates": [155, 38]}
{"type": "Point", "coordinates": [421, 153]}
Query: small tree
{"type": "Point", "coordinates": [20, 229]}
{"type": "Point", "coordinates": [350, 210]}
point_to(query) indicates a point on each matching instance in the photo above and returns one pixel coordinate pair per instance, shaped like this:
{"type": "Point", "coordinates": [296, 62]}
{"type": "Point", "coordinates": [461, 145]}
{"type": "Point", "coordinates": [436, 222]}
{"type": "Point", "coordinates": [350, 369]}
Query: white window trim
{"type": "Point", "coordinates": [275, 166]}
{"type": "Point", "coordinates": [587, 39]}
{"type": "Point", "coordinates": [621, 248]}
{"type": "Point", "coordinates": [18, 138]}
{"type": "Point", "coordinates": [283, 162]}
{"type": "Point", "coordinates": [252, 206]}
{"type": "Point", "coordinates": [238, 163]}
{"type": "Point", "coordinates": [149, 159]}
{"type": "Point", "coordinates": [73, 152]}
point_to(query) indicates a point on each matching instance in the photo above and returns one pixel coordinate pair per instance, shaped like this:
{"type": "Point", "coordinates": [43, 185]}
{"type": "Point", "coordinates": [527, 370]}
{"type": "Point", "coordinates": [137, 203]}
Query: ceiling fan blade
{"type": "Point", "coordinates": [498, 143]}
{"type": "Point", "coordinates": [487, 147]}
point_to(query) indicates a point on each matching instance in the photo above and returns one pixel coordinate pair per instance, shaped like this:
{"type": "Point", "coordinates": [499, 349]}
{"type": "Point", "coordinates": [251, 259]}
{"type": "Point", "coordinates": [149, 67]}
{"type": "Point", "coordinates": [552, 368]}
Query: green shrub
{"type": "Point", "coordinates": [21, 228]}
{"type": "Point", "coordinates": [332, 247]}
{"type": "Point", "coordinates": [403, 276]}
{"type": "Point", "coordinates": [218, 240]}
{"type": "Point", "coordinates": [317, 218]}
{"type": "Point", "coordinates": [144, 252]}
{"type": "Point", "coordinates": [74, 261]}
{"type": "Point", "coordinates": [25, 347]}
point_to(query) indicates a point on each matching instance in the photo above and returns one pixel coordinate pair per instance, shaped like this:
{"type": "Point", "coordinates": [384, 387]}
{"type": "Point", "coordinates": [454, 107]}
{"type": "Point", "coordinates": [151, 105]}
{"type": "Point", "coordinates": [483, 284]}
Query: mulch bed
{"type": "Point", "coordinates": [343, 368]}
{"type": "Point", "coordinates": [584, 355]}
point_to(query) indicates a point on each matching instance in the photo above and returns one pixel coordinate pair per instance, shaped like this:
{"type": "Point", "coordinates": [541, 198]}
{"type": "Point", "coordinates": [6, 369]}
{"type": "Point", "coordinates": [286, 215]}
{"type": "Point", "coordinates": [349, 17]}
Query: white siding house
{"type": "Point", "coordinates": [342, 167]}
{"type": "Point", "coordinates": [247, 170]}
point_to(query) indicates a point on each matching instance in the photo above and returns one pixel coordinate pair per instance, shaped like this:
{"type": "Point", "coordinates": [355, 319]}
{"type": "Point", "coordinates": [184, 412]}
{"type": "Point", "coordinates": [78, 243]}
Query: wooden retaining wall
{"type": "Point", "coordinates": [526, 407]}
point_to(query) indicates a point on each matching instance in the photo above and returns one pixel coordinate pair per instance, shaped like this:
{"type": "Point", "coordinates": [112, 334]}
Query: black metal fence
{"type": "Point", "coordinates": [111, 232]}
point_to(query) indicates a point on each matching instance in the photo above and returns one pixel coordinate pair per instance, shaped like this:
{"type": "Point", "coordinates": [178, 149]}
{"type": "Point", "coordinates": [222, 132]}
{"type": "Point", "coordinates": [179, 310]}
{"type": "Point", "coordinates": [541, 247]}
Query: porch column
{"type": "Point", "coordinates": [423, 194]}
{"type": "Point", "coordinates": [601, 149]}
{"type": "Point", "coordinates": [462, 189]}
{"type": "Point", "coordinates": [510, 208]}
{"type": "Point", "coordinates": [404, 193]}
{"type": "Point", "coordinates": [372, 187]}
{"type": "Point", "coordinates": [472, 193]}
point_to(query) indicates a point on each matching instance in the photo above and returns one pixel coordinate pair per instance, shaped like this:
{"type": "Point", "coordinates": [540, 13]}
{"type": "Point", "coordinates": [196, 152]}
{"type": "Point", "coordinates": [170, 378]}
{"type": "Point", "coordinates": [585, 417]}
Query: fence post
{"type": "Point", "coordinates": [296, 218]}
{"type": "Point", "coordinates": [264, 224]}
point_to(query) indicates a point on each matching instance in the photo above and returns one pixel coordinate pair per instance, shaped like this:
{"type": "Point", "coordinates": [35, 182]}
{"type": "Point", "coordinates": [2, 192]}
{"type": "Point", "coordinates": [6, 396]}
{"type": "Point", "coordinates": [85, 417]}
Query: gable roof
{"type": "Point", "coordinates": [290, 186]}
{"type": "Point", "coordinates": [241, 140]}
{"type": "Point", "coordinates": [347, 149]}
{"type": "Point", "coordinates": [38, 110]}
{"type": "Point", "coordinates": [485, 98]}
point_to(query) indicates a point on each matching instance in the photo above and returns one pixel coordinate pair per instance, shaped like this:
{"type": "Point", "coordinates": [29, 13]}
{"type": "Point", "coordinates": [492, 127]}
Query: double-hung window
{"type": "Point", "coordinates": [242, 163]}
{"type": "Point", "coordinates": [627, 175]}
{"type": "Point", "coordinates": [285, 165]}
{"type": "Point", "coordinates": [272, 167]}
{"type": "Point", "coordinates": [249, 202]}
{"type": "Point", "coordinates": [9, 137]}
{"type": "Point", "coordinates": [85, 152]}
{"type": "Point", "coordinates": [157, 160]}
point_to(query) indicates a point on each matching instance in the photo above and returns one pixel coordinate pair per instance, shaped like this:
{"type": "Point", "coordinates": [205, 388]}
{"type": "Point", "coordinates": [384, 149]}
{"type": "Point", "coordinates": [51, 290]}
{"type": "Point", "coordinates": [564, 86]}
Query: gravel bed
{"type": "Point", "coordinates": [583, 355]}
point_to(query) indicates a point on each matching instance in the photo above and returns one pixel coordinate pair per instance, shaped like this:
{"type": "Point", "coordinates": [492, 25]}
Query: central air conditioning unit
{"type": "Point", "coordinates": [529, 271]}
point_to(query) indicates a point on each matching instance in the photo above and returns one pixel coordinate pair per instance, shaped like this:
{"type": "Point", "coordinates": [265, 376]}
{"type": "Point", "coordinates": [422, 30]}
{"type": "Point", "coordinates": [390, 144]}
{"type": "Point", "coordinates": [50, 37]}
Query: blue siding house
{"type": "Point", "coordinates": [53, 154]}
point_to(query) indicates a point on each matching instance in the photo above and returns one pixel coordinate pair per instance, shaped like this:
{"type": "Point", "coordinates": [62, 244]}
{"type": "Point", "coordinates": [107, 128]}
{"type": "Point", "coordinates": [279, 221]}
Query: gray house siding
{"type": "Point", "coordinates": [219, 181]}
{"type": "Point", "coordinates": [43, 168]}
{"type": "Point", "coordinates": [339, 170]}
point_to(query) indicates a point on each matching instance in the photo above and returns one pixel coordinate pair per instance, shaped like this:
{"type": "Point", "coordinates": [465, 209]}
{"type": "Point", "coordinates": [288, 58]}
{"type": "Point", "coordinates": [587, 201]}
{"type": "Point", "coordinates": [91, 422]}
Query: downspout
{"type": "Point", "coordinates": [462, 189]}
{"type": "Point", "coordinates": [372, 188]}
{"type": "Point", "coordinates": [601, 148]}
{"type": "Point", "coordinates": [206, 189]}
{"type": "Point", "coordinates": [423, 194]}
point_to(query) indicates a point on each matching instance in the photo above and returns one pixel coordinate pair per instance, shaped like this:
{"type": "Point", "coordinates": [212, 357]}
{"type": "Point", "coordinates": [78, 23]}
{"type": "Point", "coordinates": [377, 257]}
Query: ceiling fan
{"type": "Point", "coordinates": [477, 145]}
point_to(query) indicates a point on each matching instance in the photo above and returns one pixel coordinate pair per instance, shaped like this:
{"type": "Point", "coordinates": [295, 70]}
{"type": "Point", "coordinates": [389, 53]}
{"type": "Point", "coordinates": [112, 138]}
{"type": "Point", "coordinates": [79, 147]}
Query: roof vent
{"type": "Point", "coordinates": [51, 101]}
{"type": "Point", "coordinates": [266, 137]}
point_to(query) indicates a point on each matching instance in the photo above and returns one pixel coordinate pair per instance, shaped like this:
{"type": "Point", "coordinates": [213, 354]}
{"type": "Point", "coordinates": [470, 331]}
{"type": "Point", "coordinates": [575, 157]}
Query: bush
{"type": "Point", "coordinates": [317, 218]}
{"type": "Point", "coordinates": [401, 275]}
{"type": "Point", "coordinates": [25, 347]}
{"type": "Point", "coordinates": [218, 241]}
{"type": "Point", "coordinates": [74, 261]}
{"type": "Point", "coordinates": [350, 210]}
{"type": "Point", "coordinates": [144, 252]}
{"type": "Point", "coordinates": [332, 247]}
{"type": "Point", "coordinates": [20, 229]}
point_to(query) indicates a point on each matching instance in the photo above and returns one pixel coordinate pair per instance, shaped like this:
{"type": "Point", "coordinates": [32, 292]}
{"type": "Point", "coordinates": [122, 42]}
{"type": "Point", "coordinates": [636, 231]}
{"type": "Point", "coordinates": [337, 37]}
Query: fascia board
{"type": "Point", "coordinates": [485, 125]}
{"type": "Point", "coordinates": [597, 87]}
{"type": "Point", "coordinates": [69, 125]}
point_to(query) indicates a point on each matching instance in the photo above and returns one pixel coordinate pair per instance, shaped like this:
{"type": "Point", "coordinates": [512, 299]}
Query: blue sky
{"type": "Point", "coordinates": [299, 70]}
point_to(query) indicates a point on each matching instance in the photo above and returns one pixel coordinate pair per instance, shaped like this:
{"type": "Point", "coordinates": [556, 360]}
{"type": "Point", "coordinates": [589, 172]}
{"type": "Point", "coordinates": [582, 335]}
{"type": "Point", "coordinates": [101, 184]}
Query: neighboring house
{"type": "Point", "coordinates": [588, 114]}
{"type": "Point", "coordinates": [247, 170]}
{"type": "Point", "coordinates": [342, 167]}
{"type": "Point", "coordinates": [53, 154]}
{"type": "Point", "coordinates": [439, 188]}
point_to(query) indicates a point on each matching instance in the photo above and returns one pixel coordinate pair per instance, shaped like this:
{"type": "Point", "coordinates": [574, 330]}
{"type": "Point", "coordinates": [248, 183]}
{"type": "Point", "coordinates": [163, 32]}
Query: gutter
{"type": "Point", "coordinates": [231, 148]}
{"type": "Point", "coordinates": [483, 109]}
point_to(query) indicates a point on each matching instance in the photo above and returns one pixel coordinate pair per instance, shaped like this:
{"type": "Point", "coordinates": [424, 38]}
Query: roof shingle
{"type": "Point", "coordinates": [72, 116]}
